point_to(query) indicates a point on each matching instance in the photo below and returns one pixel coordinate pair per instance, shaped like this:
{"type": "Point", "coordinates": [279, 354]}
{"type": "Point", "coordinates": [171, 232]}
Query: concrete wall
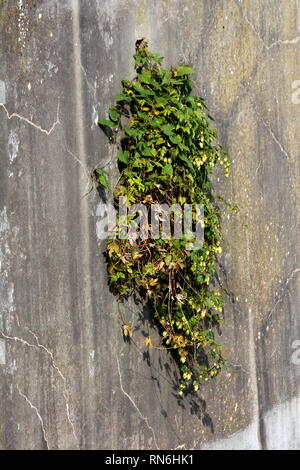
{"type": "Point", "coordinates": [67, 379]}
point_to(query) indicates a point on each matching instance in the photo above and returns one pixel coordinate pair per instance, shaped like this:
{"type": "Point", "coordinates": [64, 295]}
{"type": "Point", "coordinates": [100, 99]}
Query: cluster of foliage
{"type": "Point", "coordinates": [168, 151]}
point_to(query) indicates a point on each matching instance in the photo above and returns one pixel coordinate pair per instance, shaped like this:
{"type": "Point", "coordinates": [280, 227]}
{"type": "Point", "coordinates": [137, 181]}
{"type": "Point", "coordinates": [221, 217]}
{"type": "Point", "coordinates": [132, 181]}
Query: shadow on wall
{"type": "Point", "coordinates": [165, 369]}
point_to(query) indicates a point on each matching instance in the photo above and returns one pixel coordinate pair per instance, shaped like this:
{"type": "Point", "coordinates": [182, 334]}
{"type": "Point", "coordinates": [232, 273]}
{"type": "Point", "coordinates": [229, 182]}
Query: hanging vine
{"type": "Point", "coordinates": [167, 152]}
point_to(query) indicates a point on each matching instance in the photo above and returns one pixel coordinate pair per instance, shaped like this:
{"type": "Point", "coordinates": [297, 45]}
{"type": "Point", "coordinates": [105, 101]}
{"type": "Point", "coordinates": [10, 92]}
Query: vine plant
{"type": "Point", "coordinates": [168, 150]}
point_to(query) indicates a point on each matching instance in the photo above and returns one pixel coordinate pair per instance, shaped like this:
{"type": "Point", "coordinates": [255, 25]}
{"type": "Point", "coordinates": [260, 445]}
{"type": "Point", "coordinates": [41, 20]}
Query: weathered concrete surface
{"type": "Point", "coordinates": [67, 379]}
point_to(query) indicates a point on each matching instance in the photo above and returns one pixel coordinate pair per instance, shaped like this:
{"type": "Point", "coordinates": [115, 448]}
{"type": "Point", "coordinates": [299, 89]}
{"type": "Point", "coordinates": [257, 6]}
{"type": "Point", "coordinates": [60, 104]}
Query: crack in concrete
{"type": "Point", "coordinates": [17, 339]}
{"type": "Point", "coordinates": [31, 123]}
{"type": "Point", "coordinates": [83, 166]}
{"type": "Point", "coordinates": [257, 169]}
{"type": "Point", "coordinates": [180, 446]}
{"type": "Point", "coordinates": [48, 132]}
{"type": "Point", "coordinates": [267, 46]}
{"type": "Point", "coordinates": [66, 392]}
{"type": "Point", "coordinates": [40, 346]}
{"type": "Point", "coordinates": [294, 40]}
{"type": "Point", "coordinates": [144, 418]}
{"type": "Point", "coordinates": [283, 291]}
{"type": "Point", "coordinates": [267, 125]}
{"type": "Point", "coordinates": [38, 415]}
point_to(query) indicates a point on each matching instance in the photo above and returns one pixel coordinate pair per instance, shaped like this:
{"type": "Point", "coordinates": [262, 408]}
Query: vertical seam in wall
{"type": "Point", "coordinates": [77, 76]}
{"type": "Point", "coordinates": [253, 369]}
{"type": "Point", "coordinates": [81, 143]}
{"type": "Point", "coordinates": [254, 382]}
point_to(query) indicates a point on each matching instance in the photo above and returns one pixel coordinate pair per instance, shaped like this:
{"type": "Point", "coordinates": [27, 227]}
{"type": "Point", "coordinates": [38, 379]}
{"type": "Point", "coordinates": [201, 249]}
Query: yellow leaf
{"type": "Point", "coordinates": [113, 248]}
{"type": "Point", "coordinates": [127, 329]}
{"type": "Point", "coordinates": [149, 342]}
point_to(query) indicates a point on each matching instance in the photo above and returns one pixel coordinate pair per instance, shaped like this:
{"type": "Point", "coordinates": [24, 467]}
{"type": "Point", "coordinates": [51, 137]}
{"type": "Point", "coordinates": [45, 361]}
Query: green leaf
{"type": "Point", "coordinates": [103, 180]}
{"type": "Point", "coordinates": [141, 90]}
{"type": "Point", "coordinates": [114, 114]}
{"type": "Point", "coordinates": [168, 259]}
{"type": "Point", "coordinates": [148, 152]}
{"type": "Point", "coordinates": [132, 132]}
{"type": "Point", "coordinates": [123, 156]}
{"type": "Point", "coordinates": [149, 268]}
{"type": "Point", "coordinates": [167, 169]}
{"type": "Point", "coordinates": [161, 101]}
{"type": "Point", "coordinates": [175, 139]}
{"type": "Point", "coordinates": [121, 97]}
{"type": "Point", "coordinates": [166, 77]}
{"type": "Point", "coordinates": [186, 161]}
{"type": "Point", "coordinates": [176, 243]}
{"type": "Point", "coordinates": [100, 171]}
{"type": "Point", "coordinates": [106, 122]}
{"type": "Point", "coordinates": [145, 76]}
{"type": "Point", "coordinates": [167, 129]}
{"type": "Point", "coordinates": [184, 70]}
